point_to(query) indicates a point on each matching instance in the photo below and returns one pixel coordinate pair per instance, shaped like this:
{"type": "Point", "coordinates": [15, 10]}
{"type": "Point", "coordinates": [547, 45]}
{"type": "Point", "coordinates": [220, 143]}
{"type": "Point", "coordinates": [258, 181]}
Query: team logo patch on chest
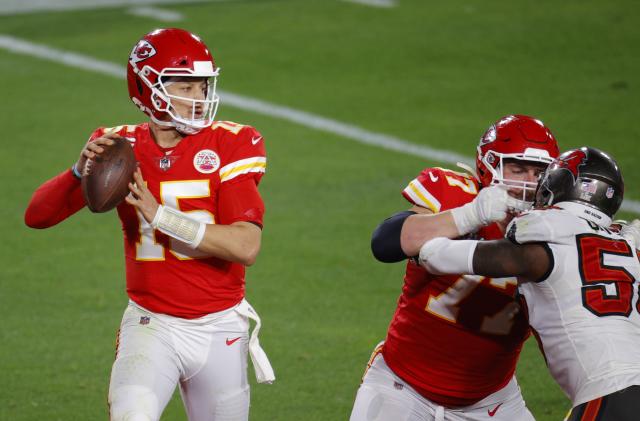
{"type": "Point", "coordinates": [206, 161]}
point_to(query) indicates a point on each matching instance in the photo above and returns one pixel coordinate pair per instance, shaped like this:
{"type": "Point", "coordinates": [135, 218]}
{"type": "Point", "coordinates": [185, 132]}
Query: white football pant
{"type": "Point", "coordinates": [206, 356]}
{"type": "Point", "coordinates": [383, 396]}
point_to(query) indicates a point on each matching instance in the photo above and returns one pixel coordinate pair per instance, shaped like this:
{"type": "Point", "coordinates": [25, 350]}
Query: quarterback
{"type": "Point", "coordinates": [191, 223]}
{"type": "Point", "coordinates": [579, 278]}
{"type": "Point", "coordinates": [452, 345]}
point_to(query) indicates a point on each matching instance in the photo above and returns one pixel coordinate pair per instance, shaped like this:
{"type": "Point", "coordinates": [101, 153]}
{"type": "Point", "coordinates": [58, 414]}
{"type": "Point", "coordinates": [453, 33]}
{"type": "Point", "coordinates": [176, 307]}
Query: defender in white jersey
{"type": "Point", "coordinates": [579, 278]}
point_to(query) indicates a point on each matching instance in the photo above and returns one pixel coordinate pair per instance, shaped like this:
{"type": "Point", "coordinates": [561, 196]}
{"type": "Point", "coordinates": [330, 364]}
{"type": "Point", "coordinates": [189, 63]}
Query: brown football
{"type": "Point", "coordinates": [105, 180]}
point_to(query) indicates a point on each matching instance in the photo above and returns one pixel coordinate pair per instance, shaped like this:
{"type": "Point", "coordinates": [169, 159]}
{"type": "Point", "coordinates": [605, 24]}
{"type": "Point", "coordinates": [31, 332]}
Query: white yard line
{"type": "Point", "coordinates": [156, 13]}
{"type": "Point", "coordinates": [375, 3]}
{"type": "Point", "coordinates": [10, 7]}
{"type": "Point", "coordinates": [348, 131]}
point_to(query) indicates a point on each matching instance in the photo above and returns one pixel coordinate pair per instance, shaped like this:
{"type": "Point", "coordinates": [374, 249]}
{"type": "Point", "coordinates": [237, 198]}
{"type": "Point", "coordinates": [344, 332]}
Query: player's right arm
{"type": "Point", "coordinates": [60, 197]}
{"type": "Point", "coordinates": [524, 253]}
{"type": "Point", "coordinates": [494, 259]}
{"type": "Point", "coordinates": [441, 209]}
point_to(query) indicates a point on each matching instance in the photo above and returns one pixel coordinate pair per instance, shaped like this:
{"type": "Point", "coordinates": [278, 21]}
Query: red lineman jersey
{"type": "Point", "coordinates": [454, 340]}
{"type": "Point", "coordinates": [211, 176]}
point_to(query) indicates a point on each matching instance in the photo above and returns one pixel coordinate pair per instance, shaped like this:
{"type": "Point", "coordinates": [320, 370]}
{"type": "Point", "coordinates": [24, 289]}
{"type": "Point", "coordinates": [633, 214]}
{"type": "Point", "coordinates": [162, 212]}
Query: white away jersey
{"type": "Point", "coordinates": [586, 312]}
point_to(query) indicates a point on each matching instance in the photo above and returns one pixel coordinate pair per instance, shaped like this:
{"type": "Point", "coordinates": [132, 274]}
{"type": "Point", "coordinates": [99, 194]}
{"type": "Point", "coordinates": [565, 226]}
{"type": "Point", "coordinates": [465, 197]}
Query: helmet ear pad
{"type": "Point", "coordinates": [159, 102]}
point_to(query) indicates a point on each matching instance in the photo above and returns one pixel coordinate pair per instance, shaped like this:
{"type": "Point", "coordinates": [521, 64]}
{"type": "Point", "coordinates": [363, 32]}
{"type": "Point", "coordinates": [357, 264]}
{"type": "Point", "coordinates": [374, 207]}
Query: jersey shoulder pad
{"type": "Point", "coordinates": [549, 225]}
{"type": "Point", "coordinates": [125, 130]}
{"type": "Point", "coordinates": [440, 189]}
{"type": "Point", "coordinates": [242, 151]}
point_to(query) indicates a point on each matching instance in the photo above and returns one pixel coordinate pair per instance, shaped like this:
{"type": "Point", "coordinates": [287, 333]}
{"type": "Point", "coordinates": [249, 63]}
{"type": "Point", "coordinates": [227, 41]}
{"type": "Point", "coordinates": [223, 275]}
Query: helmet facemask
{"type": "Point", "coordinates": [202, 111]}
{"type": "Point", "coordinates": [525, 191]}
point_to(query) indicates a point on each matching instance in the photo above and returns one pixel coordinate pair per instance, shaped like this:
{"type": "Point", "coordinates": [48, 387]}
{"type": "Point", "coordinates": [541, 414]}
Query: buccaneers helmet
{"type": "Point", "coordinates": [514, 137]}
{"type": "Point", "coordinates": [585, 175]}
{"type": "Point", "coordinates": [161, 55]}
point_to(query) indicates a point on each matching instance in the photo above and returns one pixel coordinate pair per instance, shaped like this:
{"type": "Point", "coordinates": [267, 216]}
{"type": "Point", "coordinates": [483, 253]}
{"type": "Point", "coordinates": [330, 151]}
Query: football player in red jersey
{"type": "Point", "coordinates": [191, 224]}
{"type": "Point", "coordinates": [452, 345]}
{"type": "Point", "coordinates": [578, 275]}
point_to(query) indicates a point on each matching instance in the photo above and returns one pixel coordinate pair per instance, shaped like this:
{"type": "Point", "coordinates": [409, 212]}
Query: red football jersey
{"type": "Point", "coordinates": [454, 340]}
{"type": "Point", "coordinates": [212, 177]}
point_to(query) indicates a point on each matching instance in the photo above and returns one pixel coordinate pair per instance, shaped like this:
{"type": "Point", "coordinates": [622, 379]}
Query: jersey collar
{"type": "Point", "coordinates": [586, 212]}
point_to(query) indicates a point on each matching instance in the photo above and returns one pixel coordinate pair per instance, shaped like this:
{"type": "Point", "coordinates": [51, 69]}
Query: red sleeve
{"type": "Point", "coordinates": [59, 198]}
{"type": "Point", "coordinates": [439, 189]}
{"type": "Point", "coordinates": [54, 201]}
{"type": "Point", "coordinates": [240, 201]}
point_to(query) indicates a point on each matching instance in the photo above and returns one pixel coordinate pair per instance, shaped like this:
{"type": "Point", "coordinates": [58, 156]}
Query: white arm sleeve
{"type": "Point", "coordinates": [442, 256]}
{"type": "Point", "coordinates": [179, 226]}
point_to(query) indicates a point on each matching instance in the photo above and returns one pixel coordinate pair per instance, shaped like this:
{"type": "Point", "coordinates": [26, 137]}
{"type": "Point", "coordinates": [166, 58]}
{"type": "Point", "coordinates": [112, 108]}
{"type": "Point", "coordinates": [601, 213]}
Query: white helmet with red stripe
{"type": "Point", "coordinates": [164, 54]}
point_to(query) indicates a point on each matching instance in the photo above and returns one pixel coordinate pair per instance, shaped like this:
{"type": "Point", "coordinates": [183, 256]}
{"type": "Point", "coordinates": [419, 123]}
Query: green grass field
{"type": "Point", "coordinates": [433, 73]}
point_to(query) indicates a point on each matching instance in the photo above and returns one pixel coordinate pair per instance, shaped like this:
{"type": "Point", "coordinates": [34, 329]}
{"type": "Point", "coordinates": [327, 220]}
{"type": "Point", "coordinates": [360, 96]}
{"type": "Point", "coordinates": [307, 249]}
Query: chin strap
{"type": "Point", "coordinates": [180, 127]}
{"type": "Point", "coordinates": [517, 205]}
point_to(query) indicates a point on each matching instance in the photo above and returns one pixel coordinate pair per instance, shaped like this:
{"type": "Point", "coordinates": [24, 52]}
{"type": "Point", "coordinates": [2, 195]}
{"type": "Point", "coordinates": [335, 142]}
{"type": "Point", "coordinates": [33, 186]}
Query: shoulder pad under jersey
{"type": "Point", "coordinates": [439, 189]}
{"type": "Point", "coordinates": [551, 225]}
{"type": "Point", "coordinates": [242, 152]}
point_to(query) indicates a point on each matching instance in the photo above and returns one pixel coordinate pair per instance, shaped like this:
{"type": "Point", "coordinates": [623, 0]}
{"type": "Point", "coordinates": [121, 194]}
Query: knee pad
{"type": "Point", "coordinates": [133, 403]}
{"type": "Point", "coordinates": [232, 406]}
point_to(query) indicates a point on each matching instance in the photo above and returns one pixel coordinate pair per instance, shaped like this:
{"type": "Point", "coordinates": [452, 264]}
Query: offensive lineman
{"type": "Point", "coordinates": [452, 346]}
{"type": "Point", "coordinates": [579, 279]}
{"type": "Point", "coordinates": [190, 227]}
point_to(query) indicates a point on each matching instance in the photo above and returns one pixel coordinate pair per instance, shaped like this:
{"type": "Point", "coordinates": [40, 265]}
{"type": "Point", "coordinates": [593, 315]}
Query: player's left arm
{"type": "Point", "coordinates": [496, 259]}
{"type": "Point", "coordinates": [238, 242]}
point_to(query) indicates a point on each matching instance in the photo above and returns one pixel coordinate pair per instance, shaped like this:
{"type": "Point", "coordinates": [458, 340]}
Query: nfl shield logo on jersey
{"type": "Point", "coordinates": [206, 161]}
{"type": "Point", "coordinates": [165, 163]}
{"type": "Point", "coordinates": [144, 320]}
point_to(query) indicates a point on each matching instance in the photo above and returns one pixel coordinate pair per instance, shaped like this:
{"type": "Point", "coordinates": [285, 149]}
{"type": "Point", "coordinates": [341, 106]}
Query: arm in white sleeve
{"type": "Point", "coordinates": [442, 256]}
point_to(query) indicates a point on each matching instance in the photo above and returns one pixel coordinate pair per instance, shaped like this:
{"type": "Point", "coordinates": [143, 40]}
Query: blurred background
{"type": "Point", "coordinates": [354, 98]}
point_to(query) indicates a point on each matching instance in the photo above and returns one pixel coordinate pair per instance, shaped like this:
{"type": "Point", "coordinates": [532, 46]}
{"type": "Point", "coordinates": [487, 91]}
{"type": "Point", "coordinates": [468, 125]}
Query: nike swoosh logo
{"type": "Point", "coordinates": [433, 178]}
{"type": "Point", "coordinates": [492, 413]}
{"type": "Point", "coordinates": [232, 341]}
{"type": "Point", "coordinates": [255, 140]}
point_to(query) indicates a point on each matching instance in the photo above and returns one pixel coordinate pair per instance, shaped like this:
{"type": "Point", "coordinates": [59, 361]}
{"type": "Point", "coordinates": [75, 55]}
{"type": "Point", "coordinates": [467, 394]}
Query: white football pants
{"type": "Point", "coordinates": [383, 396]}
{"type": "Point", "coordinates": [206, 356]}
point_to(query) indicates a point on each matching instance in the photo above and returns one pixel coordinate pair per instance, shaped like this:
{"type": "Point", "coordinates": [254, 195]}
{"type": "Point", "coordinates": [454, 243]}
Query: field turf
{"type": "Point", "coordinates": [433, 73]}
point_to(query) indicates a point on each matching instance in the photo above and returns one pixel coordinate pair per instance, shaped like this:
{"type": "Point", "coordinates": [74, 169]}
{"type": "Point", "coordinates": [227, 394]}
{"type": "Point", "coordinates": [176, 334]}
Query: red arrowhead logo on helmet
{"type": "Point", "coordinates": [572, 161]}
{"type": "Point", "coordinates": [142, 51]}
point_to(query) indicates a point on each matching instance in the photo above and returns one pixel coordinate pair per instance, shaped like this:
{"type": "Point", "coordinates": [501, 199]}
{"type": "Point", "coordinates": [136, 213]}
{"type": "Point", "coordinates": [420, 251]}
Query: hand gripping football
{"type": "Point", "coordinates": [105, 178]}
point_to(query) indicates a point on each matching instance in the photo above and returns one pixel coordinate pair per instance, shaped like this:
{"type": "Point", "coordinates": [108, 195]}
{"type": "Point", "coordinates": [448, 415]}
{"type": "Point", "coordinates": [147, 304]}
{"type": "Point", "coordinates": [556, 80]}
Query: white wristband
{"type": "Point", "coordinates": [179, 226]}
{"type": "Point", "coordinates": [442, 256]}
